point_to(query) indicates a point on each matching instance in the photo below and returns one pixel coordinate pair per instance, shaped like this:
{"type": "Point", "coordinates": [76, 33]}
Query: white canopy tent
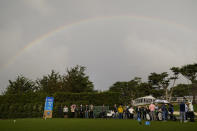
{"type": "Point", "coordinates": [143, 100]}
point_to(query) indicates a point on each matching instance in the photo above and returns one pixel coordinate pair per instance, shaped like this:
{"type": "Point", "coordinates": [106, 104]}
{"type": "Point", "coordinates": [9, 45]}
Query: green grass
{"type": "Point", "coordinates": [91, 125]}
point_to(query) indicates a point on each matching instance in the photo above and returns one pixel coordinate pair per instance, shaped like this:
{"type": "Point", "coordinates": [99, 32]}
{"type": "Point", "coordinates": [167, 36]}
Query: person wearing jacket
{"type": "Point", "coordinates": [86, 111]}
{"type": "Point", "coordinates": [131, 111]}
{"type": "Point", "coordinates": [91, 111]}
{"type": "Point", "coordinates": [164, 112]}
{"type": "Point", "coordinates": [139, 112]}
{"type": "Point", "coordinates": [143, 109]}
{"type": "Point", "coordinates": [81, 111]}
{"type": "Point", "coordinates": [171, 110]}
{"type": "Point", "coordinates": [120, 112]}
{"type": "Point", "coordinates": [186, 111]}
{"type": "Point", "coordinates": [182, 112]}
{"type": "Point", "coordinates": [191, 112]}
{"type": "Point", "coordinates": [115, 109]}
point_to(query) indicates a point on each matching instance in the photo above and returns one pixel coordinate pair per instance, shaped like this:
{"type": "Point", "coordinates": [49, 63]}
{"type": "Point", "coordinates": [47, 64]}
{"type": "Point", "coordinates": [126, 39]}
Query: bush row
{"type": "Point", "coordinates": [32, 105]}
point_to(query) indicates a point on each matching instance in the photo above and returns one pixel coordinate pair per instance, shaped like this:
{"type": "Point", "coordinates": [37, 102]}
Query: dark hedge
{"type": "Point", "coordinates": [32, 105]}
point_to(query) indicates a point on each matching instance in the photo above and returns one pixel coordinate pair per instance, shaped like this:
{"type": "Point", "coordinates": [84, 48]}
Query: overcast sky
{"type": "Point", "coordinates": [115, 39]}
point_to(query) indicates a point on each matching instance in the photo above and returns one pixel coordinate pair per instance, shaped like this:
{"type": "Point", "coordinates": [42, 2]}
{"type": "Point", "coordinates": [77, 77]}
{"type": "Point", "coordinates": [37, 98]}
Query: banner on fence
{"type": "Point", "coordinates": [48, 108]}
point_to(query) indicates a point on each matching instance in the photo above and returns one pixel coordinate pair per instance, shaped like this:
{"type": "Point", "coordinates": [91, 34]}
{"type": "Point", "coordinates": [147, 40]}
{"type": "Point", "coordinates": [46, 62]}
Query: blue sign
{"type": "Point", "coordinates": [49, 103]}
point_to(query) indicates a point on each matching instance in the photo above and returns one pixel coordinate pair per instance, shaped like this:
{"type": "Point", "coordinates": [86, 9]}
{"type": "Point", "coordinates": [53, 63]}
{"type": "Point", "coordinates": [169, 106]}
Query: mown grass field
{"type": "Point", "coordinates": [92, 125]}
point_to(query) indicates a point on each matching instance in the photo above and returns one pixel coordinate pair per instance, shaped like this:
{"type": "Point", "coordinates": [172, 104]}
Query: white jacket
{"type": "Point", "coordinates": [191, 108]}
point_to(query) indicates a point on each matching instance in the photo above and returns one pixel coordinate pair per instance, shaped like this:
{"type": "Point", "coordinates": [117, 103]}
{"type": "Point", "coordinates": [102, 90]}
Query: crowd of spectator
{"type": "Point", "coordinates": [152, 112]}
{"type": "Point", "coordinates": [81, 111]}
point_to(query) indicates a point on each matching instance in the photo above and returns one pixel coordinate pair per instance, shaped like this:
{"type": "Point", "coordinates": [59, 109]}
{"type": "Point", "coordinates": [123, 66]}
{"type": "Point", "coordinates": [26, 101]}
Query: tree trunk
{"type": "Point", "coordinates": [171, 92]}
{"type": "Point", "coordinates": [166, 93]}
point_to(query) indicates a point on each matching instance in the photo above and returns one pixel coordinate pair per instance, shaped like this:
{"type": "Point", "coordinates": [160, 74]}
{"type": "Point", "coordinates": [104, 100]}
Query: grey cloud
{"type": "Point", "coordinates": [113, 49]}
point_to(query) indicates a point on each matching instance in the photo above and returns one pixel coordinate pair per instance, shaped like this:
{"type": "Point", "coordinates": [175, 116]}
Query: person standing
{"type": "Point", "coordinates": [164, 112]}
{"type": "Point", "coordinates": [76, 111]}
{"type": "Point", "coordinates": [65, 111]}
{"type": "Point", "coordinates": [81, 111]}
{"type": "Point", "coordinates": [152, 111]}
{"type": "Point", "coordinates": [191, 112]}
{"type": "Point", "coordinates": [160, 114]}
{"type": "Point", "coordinates": [120, 112]}
{"type": "Point", "coordinates": [171, 110]}
{"type": "Point", "coordinates": [91, 111]}
{"type": "Point", "coordinates": [86, 111]}
{"type": "Point", "coordinates": [143, 109]}
{"type": "Point", "coordinates": [127, 112]}
{"type": "Point", "coordinates": [115, 111]}
{"type": "Point", "coordinates": [124, 112]}
{"type": "Point", "coordinates": [131, 111]}
{"type": "Point", "coordinates": [182, 112]}
{"type": "Point", "coordinates": [148, 113]}
{"type": "Point", "coordinates": [156, 112]}
{"type": "Point", "coordinates": [139, 112]}
{"type": "Point", "coordinates": [72, 109]}
{"type": "Point", "coordinates": [103, 111]}
{"type": "Point", "coordinates": [186, 111]}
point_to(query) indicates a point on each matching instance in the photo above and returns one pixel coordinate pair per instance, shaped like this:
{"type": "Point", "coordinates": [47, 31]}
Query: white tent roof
{"type": "Point", "coordinates": [147, 97]}
{"type": "Point", "coordinates": [143, 100]}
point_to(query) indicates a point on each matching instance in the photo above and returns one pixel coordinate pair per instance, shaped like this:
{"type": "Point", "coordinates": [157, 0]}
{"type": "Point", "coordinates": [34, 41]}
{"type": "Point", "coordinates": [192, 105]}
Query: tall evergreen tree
{"type": "Point", "coordinates": [50, 83]}
{"type": "Point", "coordinates": [160, 81]}
{"type": "Point", "coordinates": [75, 80]}
{"type": "Point", "coordinates": [20, 86]}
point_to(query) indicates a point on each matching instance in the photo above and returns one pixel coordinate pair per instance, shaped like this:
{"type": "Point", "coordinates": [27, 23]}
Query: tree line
{"type": "Point", "coordinates": [75, 80]}
{"type": "Point", "coordinates": [162, 85]}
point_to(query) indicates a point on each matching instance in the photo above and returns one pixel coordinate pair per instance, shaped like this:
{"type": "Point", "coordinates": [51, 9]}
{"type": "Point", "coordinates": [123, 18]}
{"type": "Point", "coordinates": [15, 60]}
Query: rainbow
{"type": "Point", "coordinates": [64, 27]}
